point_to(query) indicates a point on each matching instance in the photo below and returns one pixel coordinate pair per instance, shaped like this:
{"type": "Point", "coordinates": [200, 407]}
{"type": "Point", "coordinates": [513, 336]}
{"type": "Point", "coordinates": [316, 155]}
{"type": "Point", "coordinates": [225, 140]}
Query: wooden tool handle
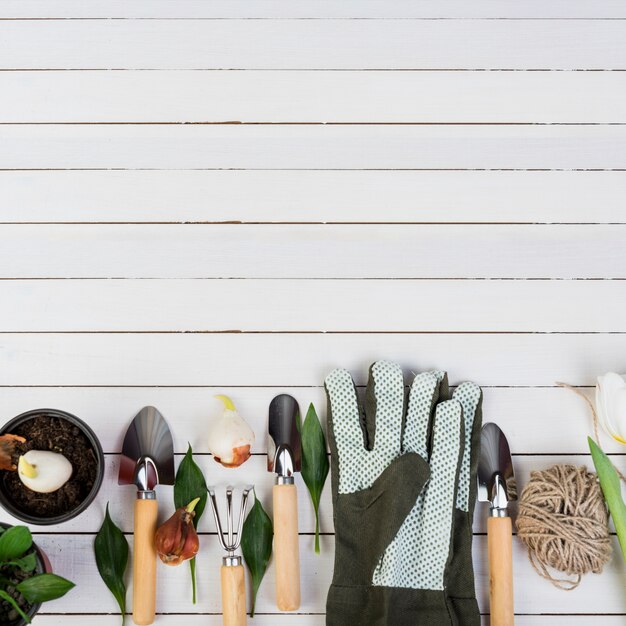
{"type": "Point", "coordinates": [500, 549]}
{"type": "Point", "coordinates": [286, 549]}
{"type": "Point", "coordinates": [233, 595]}
{"type": "Point", "coordinates": [144, 562]}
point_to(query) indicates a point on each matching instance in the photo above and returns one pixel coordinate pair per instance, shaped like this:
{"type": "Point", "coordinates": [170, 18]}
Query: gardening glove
{"type": "Point", "coordinates": [399, 561]}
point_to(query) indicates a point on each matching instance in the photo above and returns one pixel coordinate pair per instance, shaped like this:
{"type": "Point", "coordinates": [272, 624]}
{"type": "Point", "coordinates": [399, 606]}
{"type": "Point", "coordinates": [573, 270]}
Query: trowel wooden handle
{"type": "Point", "coordinates": [500, 549]}
{"type": "Point", "coordinates": [286, 549]}
{"type": "Point", "coordinates": [233, 595]}
{"type": "Point", "coordinates": [144, 561]}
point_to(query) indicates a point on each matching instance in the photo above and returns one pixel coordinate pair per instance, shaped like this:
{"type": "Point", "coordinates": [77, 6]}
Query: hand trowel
{"type": "Point", "coordinates": [284, 458]}
{"type": "Point", "coordinates": [147, 460]}
{"type": "Point", "coordinates": [496, 485]}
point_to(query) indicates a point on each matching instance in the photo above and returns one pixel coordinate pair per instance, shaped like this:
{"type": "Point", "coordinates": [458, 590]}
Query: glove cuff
{"type": "Point", "coordinates": [388, 606]}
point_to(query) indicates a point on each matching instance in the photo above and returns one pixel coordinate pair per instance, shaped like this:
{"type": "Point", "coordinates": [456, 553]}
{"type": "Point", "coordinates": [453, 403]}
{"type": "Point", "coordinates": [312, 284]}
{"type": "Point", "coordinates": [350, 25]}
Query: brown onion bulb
{"type": "Point", "coordinates": [176, 539]}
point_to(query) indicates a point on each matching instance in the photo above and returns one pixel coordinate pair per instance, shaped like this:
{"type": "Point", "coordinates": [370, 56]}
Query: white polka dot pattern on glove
{"type": "Point", "coordinates": [468, 394]}
{"type": "Point", "coordinates": [417, 556]}
{"type": "Point", "coordinates": [358, 466]}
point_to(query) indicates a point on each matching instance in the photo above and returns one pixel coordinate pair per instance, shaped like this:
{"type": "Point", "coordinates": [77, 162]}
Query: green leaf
{"type": "Point", "coordinates": [111, 551]}
{"type": "Point", "coordinates": [611, 488]}
{"type": "Point", "coordinates": [44, 587]}
{"type": "Point", "coordinates": [27, 563]}
{"type": "Point", "coordinates": [314, 464]}
{"type": "Point", "coordinates": [14, 543]}
{"type": "Point", "coordinates": [256, 545]}
{"type": "Point", "coordinates": [189, 485]}
{"type": "Point", "coordinates": [5, 596]}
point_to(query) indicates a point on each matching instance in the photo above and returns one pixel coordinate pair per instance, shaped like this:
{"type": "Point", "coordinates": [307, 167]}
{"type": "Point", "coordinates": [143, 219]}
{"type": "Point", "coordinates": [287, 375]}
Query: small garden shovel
{"type": "Point", "coordinates": [147, 460]}
{"type": "Point", "coordinates": [284, 457]}
{"type": "Point", "coordinates": [496, 485]}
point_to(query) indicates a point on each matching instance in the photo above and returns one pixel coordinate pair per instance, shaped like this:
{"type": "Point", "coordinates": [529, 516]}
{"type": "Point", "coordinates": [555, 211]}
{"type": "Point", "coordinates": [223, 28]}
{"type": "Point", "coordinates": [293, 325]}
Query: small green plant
{"type": "Point", "coordinates": [256, 545]}
{"type": "Point", "coordinates": [314, 464]}
{"type": "Point", "coordinates": [20, 585]}
{"type": "Point", "coordinates": [111, 550]}
{"type": "Point", "coordinates": [189, 485]}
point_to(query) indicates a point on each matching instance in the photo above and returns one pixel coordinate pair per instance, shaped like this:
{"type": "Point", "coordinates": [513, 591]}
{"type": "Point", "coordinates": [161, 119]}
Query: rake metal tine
{"type": "Point", "coordinates": [229, 515]}
{"type": "Point", "coordinates": [242, 513]}
{"type": "Point", "coordinates": [233, 539]}
{"type": "Point", "coordinates": [216, 517]}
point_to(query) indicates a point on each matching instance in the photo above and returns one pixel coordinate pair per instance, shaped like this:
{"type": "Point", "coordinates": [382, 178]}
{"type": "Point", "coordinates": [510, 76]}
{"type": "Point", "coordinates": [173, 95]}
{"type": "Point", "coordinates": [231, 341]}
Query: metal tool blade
{"type": "Point", "coordinates": [284, 451]}
{"type": "Point", "coordinates": [147, 451]}
{"type": "Point", "coordinates": [496, 479]}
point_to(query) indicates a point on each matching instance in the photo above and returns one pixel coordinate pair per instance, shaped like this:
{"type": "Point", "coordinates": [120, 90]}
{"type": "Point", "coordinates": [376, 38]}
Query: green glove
{"type": "Point", "coordinates": [402, 514]}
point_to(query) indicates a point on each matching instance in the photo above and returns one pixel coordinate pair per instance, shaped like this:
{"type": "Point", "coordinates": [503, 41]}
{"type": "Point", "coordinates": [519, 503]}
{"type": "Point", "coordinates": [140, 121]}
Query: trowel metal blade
{"type": "Point", "coordinates": [148, 438]}
{"type": "Point", "coordinates": [283, 435]}
{"type": "Point", "coordinates": [495, 461]}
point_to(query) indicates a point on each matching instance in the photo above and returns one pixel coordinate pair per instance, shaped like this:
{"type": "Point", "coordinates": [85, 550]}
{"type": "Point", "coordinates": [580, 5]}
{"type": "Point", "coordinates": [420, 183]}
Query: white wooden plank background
{"type": "Point", "coordinates": [276, 9]}
{"type": "Point", "coordinates": [308, 97]}
{"type": "Point", "coordinates": [311, 196]}
{"type": "Point", "coordinates": [358, 180]}
{"type": "Point", "coordinates": [371, 147]}
{"type": "Point", "coordinates": [313, 44]}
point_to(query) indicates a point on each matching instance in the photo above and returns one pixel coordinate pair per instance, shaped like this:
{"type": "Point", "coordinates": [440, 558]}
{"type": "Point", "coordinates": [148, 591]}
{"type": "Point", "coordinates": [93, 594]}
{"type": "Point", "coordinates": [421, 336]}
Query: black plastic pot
{"type": "Point", "coordinates": [10, 506]}
{"type": "Point", "coordinates": [43, 567]}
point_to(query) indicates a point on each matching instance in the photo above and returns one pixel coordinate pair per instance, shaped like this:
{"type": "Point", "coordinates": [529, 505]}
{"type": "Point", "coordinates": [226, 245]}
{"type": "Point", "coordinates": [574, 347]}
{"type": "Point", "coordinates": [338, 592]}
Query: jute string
{"type": "Point", "coordinates": [594, 417]}
{"type": "Point", "coordinates": [563, 519]}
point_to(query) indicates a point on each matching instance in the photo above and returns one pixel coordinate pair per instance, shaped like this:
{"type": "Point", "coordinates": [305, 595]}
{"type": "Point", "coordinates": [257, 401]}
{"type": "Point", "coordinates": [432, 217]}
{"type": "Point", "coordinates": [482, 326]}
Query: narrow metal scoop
{"type": "Point", "coordinates": [147, 460]}
{"type": "Point", "coordinates": [496, 485]}
{"type": "Point", "coordinates": [496, 479]}
{"type": "Point", "coordinates": [284, 450]}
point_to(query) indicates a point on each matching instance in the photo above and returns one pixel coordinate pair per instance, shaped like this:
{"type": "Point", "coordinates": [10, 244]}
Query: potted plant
{"type": "Point", "coordinates": [25, 577]}
{"type": "Point", "coordinates": [62, 484]}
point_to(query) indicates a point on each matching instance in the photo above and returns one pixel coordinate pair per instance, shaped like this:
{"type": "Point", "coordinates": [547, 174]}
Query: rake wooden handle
{"type": "Point", "coordinates": [233, 595]}
{"type": "Point", "coordinates": [286, 549]}
{"type": "Point", "coordinates": [144, 562]}
{"type": "Point", "coordinates": [500, 550]}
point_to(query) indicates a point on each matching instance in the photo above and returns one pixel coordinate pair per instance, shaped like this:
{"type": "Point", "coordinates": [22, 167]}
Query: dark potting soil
{"type": "Point", "coordinates": [44, 432]}
{"type": "Point", "coordinates": [8, 614]}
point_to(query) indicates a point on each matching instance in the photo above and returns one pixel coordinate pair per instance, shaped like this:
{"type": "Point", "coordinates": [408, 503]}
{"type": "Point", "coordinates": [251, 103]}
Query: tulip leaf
{"type": "Point", "coordinates": [27, 563]}
{"type": "Point", "coordinates": [14, 542]}
{"type": "Point", "coordinates": [44, 587]}
{"type": "Point", "coordinates": [189, 485]}
{"type": "Point", "coordinates": [611, 488]}
{"type": "Point", "coordinates": [314, 463]}
{"type": "Point", "coordinates": [256, 545]}
{"type": "Point", "coordinates": [111, 550]}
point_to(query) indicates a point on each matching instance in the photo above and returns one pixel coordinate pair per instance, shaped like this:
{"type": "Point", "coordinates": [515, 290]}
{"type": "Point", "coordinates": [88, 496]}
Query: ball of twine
{"type": "Point", "coordinates": [563, 521]}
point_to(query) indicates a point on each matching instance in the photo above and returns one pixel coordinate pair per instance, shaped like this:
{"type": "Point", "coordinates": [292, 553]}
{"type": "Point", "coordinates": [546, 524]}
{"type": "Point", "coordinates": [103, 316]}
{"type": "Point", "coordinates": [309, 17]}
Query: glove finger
{"type": "Point", "coordinates": [422, 399]}
{"type": "Point", "coordinates": [439, 497]}
{"type": "Point", "coordinates": [469, 395]}
{"type": "Point", "coordinates": [384, 413]}
{"type": "Point", "coordinates": [346, 436]}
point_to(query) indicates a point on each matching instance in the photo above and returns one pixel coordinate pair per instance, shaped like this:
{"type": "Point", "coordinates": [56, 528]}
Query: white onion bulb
{"type": "Point", "coordinates": [230, 437]}
{"type": "Point", "coordinates": [44, 471]}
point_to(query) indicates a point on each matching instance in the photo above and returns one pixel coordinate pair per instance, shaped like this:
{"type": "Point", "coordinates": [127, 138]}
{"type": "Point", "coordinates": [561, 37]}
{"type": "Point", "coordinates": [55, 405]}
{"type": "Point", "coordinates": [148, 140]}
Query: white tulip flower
{"type": "Point", "coordinates": [611, 405]}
